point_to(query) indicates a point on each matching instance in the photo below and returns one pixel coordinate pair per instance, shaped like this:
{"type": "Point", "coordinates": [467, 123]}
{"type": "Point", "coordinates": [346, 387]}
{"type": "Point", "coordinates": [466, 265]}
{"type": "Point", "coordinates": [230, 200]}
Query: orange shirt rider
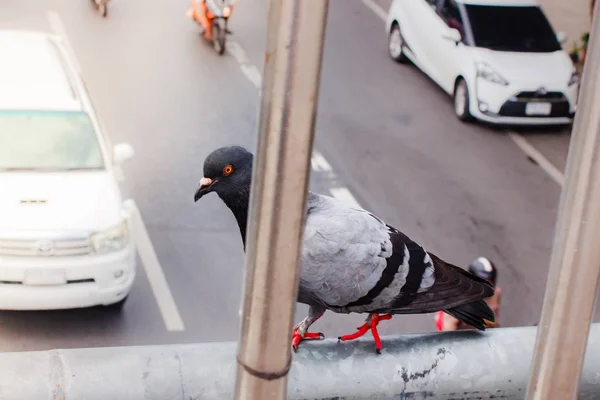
{"type": "Point", "coordinates": [200, 10]}
{"type": "Point", "coordinates": [483, 268]}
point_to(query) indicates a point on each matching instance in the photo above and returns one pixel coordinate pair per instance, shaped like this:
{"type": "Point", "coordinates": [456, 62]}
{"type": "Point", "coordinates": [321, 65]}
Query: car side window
{"type": "Point", "coordinates": [449, 12]}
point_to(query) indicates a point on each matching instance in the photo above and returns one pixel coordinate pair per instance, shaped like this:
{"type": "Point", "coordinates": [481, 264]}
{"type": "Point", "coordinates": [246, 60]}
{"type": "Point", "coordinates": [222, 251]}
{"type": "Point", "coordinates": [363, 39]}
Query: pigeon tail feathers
{"type": "Point", "coordinates": [475, 314]}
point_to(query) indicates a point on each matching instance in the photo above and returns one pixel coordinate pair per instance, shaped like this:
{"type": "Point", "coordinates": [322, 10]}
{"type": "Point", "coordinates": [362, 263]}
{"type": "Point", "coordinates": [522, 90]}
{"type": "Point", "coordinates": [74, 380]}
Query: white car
{"type": "Point", "coordinates": [65, 232]}
{"type": "Point", "coordinates": [500, 59]}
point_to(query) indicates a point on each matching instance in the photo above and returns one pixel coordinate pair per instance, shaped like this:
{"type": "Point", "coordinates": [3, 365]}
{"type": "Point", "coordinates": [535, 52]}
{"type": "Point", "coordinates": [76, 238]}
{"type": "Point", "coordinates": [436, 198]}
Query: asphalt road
{"type": "Point", "coordinates": [388, 133]}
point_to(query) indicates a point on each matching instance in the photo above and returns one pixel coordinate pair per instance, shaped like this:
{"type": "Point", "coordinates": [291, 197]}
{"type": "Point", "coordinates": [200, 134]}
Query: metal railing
{"type": "Point", "coordinates": [441, 366]}
{"type": "Point", "coordinates": [575, 264]}
{"type": "Point", "coordinates": [278, 195]}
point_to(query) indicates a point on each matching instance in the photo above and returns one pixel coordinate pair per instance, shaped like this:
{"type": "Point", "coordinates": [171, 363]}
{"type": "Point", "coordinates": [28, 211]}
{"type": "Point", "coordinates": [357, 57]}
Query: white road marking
{"type": "Point", "coordinates": [253, 75]}
{"type": "Point", "coordinates": [154, 272]}
{"type": "Point", "coordinates": [376, 8]}
{"type": "Point", "coordinates": [521, 142]}
{"type": "Point", "coordinates": [248, 69]}
{"type": "Point", "coordinates": [538, 157]}
{"type": "Point", "coordinates": [156, 277]}
{"type": "Point", "coordinates": [237, 52]}
{"type": "Point", "coordinates": [343, 194]}
{"type": "Point", "coordinates": [319, 163]}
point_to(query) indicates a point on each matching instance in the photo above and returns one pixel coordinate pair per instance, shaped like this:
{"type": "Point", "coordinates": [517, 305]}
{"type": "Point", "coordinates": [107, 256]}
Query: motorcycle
{"type": "Point", "coordinates": [101, 6]}
{"type": "Point", "coordinates": [216, 14]}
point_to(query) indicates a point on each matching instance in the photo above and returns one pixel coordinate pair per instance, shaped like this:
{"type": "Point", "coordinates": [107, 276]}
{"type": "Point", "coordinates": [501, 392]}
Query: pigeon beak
{"type": "Point", "coordinates": [206, 185]}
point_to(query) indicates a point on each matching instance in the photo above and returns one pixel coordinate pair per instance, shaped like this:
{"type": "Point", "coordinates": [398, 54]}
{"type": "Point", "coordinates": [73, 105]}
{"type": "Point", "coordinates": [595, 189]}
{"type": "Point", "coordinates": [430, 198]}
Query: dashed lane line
{"type": "Point", "coordinates": [154, 272]}
{"type": "Point", "coordinates": [538, 157]}
{"type": "Point", "coordinates": [343, 194]}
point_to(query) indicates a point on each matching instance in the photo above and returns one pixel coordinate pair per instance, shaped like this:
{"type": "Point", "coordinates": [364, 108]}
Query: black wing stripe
{"type": "Point", "coordinates": [387, 276]}
{"type": "Point", "coordinates": [416, 269]}
{"type": "Point", "coordinates": [453, 287]}
{"type": "Point", "coordinates": [417, 266]}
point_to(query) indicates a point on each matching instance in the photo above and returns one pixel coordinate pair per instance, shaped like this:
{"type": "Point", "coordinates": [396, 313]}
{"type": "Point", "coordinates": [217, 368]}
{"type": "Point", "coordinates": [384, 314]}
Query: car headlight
{"type": "Point", "coordinates": [574, 78]}
{"type": "Point", "coordinates": [112, 239]}
{"type": "Point", "coordinates": [488, 73]}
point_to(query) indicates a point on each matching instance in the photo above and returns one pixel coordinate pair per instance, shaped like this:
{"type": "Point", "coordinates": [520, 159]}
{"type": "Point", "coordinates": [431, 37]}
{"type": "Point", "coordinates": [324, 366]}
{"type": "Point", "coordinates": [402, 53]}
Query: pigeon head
{"type": "Point", "coordinates": [228, 173]}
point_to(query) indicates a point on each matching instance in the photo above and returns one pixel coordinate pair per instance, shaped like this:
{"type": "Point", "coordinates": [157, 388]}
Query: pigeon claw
{"type": "Point", "coordinates": [369, 325]}
{"type": "Point", "coordinates": [360, 332]}
{"type": "Point", "coordinates": [297, 337]}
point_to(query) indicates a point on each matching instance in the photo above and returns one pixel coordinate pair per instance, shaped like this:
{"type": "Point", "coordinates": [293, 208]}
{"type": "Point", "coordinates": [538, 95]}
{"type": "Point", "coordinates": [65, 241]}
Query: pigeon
{"type": "Point", "coordinates": [351, 261]}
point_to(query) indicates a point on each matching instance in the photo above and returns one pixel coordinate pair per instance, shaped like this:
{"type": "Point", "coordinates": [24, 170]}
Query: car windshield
{"type": "Point", "coordinates": [518, 29]}
{"type": "Point", "coordinates": [48, 141]}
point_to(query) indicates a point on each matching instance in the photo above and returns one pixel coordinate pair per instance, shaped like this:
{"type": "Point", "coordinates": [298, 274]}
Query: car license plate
{"type": "Point", "coordinates": [535, 108]}
{"type": "Point", "coordinates": [45, 277]}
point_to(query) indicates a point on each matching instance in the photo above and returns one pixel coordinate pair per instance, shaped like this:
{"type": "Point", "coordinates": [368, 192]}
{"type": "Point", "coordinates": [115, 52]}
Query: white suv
{"type": "Point", "coordinates": [500, 59]}
{"type": "Point", "coordinates": [65, 232]}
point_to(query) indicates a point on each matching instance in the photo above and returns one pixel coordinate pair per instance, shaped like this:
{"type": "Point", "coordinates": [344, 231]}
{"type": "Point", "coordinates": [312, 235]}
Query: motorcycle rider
{"type": "Point", "coordinates": [203, 15]}
{"type": "Point", "coordinates": [485, 269]}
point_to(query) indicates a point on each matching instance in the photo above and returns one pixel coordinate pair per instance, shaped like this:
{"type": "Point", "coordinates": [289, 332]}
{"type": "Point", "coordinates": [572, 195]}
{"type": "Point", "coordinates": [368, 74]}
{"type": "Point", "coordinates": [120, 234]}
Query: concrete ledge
{"type": "Point", "coordinates": [453, 365]}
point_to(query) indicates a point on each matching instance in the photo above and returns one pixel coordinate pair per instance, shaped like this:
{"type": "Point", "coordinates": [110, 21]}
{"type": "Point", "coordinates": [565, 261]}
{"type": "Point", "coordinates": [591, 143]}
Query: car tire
{"type": "Point", "coordinates": [461, 101]}
{"type": "Point", "coordinates": [396, 45]}
{"type": "Point", "coordinates": [118, 306]}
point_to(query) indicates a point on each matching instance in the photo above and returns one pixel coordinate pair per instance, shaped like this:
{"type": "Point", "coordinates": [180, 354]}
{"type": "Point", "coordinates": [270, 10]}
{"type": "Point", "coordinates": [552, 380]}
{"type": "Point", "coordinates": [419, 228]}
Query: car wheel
{"type": "Point", "coordinates": [118, 306]}
{"type": "Point", "coordinates": [461, 101]}
{"type": "Point", "coordinates": [396, 45]}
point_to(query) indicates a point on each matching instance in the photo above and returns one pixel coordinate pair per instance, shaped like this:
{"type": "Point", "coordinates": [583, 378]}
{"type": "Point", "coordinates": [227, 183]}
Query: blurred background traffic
{"type": "Point", "coordinates": [96, 203]}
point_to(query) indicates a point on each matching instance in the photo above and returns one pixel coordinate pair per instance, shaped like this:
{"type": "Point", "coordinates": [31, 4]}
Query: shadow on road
{"type": "Point", "coordinates": [48, 326]}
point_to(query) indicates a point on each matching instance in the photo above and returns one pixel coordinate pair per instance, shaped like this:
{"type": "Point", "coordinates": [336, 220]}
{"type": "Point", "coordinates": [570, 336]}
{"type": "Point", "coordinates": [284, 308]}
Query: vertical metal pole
{"type": "Point", "coordinates": [575, 266]}
{"type": "Point", "coordinates": [278, 196]}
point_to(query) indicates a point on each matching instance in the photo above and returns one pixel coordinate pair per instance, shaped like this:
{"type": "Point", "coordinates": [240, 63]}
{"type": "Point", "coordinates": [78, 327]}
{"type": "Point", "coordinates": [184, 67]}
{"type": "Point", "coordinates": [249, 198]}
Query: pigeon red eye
{"type": "Point", "coordinates": [227, 170]}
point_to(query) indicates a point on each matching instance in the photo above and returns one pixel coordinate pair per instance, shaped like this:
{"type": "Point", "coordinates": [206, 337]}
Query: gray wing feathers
{"type": "Point", "coordinates": [353, 262]}
{"type": "Point", "coordinates": [344, 251]}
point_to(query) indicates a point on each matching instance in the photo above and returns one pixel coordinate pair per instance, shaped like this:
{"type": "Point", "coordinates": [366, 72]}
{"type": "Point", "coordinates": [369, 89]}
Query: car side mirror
{"type": "Point", "coordinates": [561, 37]}
{"type": "Point", "coordinates": [453, 35]}
{"type": "Point", "coordinates": [122, 152]}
